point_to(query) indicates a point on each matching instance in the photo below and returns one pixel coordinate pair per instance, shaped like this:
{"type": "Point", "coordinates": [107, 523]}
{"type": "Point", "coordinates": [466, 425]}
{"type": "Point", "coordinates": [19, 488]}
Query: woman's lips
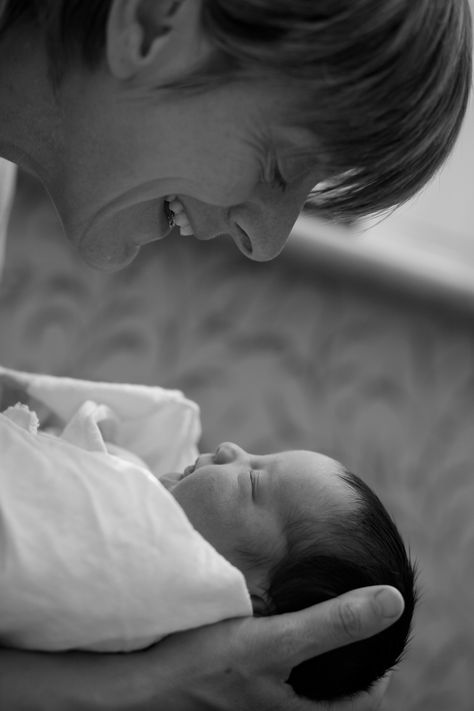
{"type": "Point", "coordinates": [160, 228]}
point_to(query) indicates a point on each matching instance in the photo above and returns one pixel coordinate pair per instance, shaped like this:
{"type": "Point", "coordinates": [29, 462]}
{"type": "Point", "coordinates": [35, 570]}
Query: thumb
{"type": "Point", "coordinates": [356, 615]}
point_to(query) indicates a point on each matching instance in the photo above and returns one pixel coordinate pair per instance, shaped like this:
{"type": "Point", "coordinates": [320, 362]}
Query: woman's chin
{"type": "Point", "coordinates": [113, 240]}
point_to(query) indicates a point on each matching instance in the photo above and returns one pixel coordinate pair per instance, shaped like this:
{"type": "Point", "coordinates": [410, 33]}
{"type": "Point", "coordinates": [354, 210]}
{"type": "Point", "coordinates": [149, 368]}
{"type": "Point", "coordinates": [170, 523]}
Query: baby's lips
{"type": "Point", "coordinates": [188, 470]}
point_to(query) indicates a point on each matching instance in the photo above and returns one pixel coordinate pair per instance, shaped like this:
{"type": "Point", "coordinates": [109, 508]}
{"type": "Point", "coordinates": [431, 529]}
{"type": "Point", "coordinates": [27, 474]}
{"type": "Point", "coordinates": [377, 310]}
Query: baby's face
{"type": "Point", "coordinates": [244, 502]}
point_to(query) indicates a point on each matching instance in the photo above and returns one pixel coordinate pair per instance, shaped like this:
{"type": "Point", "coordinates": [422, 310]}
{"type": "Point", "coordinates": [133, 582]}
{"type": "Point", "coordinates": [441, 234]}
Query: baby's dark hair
{"type": "Point", "coordinates": [384, 84]}
{"type": "Point", "coordinates": [361, 548]}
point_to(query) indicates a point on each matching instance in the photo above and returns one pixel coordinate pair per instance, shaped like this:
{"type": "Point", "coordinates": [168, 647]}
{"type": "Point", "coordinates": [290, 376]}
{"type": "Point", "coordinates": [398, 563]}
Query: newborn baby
{"type": "Point", "coordinates": [280, 531]}
{"type": "Point", "coordinates": [302, 529]}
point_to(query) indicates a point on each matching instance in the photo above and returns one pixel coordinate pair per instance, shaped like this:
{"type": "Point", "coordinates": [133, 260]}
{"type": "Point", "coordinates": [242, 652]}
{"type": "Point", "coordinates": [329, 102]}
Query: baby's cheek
{"type": "Point", "coordinates": [266, 537]}
{"type": "Point", "coordinates": [199, 497]}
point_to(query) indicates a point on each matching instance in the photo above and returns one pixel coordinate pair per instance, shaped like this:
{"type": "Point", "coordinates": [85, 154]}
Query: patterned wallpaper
{"type": "Point", "coordinates": [283, 355]}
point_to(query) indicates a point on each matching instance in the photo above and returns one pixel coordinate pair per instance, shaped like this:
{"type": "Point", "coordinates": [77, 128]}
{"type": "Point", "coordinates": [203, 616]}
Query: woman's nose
{"type": "Point", "coordinates": [267, 220]}
{"type": "Point", "coordinates": [228, 452]}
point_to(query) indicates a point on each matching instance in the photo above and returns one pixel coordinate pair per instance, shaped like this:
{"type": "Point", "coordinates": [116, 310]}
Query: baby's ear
{"type": "Point", "coordinates": [262, 605]}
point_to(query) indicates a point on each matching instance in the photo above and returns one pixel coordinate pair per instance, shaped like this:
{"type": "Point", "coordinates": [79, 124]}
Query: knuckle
{"type": "Point", "coordinates": [348, 620]}
{"type": "Point", "coordinates": [286, 641]}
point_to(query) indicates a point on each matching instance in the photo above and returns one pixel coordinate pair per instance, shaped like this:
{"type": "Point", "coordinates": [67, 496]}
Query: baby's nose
{"type": "Point", "coordinates": [228, 452]}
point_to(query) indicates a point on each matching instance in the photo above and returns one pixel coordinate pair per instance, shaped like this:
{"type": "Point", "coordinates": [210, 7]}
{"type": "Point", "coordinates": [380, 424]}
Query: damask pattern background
{"type": "Point", "coordinates": [283, 355]}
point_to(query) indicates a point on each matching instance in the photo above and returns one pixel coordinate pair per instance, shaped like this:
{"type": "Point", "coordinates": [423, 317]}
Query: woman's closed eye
{"type": "Point", "coordinates": [272, 174]}
{"type": "Point", "coordinates": [278, 181]}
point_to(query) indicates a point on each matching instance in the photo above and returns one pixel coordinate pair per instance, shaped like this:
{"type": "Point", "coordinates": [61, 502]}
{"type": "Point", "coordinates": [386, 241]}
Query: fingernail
{"type": "Point", "coordinates": [389, 603]}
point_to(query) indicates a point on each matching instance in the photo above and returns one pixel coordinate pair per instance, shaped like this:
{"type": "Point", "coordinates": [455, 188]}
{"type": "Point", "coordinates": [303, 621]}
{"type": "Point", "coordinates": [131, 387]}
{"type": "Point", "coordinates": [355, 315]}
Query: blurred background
{"type": "Point", "coordinates": [355, 342]}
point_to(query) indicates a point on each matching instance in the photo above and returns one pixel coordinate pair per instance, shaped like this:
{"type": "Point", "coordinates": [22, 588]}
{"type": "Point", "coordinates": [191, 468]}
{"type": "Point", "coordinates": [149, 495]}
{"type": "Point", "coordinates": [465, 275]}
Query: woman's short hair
{"type": "Point", "coordinates": [384, 83]}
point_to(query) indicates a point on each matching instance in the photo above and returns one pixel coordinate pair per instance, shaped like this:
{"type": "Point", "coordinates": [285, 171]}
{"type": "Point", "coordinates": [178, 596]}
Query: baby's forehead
{"type": "Point", "coordinates": [308, 460]}
{"type": "Point", "coordinates": [300, 480]}
{"type": "Point", "coordinates": [310, 482]}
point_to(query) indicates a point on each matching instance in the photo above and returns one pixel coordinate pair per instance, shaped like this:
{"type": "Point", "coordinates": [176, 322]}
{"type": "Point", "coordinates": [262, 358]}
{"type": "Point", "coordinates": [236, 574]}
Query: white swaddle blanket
{"type": "Point", "coordinates": [95, 553]}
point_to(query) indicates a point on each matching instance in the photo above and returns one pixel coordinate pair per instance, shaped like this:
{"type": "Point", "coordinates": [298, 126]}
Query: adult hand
{"type": "Point", "coordinates": [235, 665]}
{"type": "Point", "coordinates": [243, 664]}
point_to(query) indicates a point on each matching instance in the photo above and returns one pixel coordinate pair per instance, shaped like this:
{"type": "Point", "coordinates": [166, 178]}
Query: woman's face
{"type": "Point", "coordinates": [219, 152]}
